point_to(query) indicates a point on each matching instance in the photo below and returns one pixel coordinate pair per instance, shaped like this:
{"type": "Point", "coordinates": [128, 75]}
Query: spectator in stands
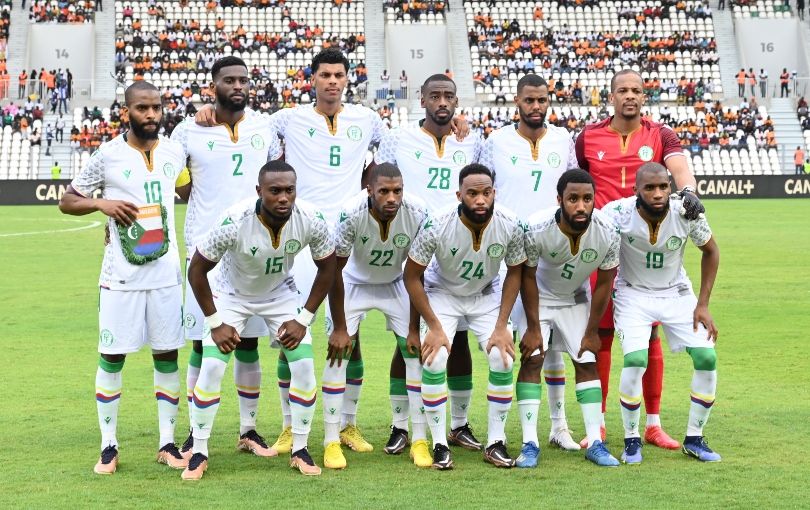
{"type": "Point", "coordinates": [741, 83]}
{"type": "Point", "coordinates": [49, 135]}
{"type": "Point", "coordinates": [56, 171]}
{"type": "Point", "coordinates": [385, 78]}
{"type": "Point", "coordinates": [752, 80]}
{"type": "Point", "coordinates": [784, 79]}
{"type": "Point", "coordinates": [800, 9]}
{"type": "Point", "coordinates": [807, 166]}
{"type": "Point", "coordinates": [403, 85]}
{"type": "Point", "coordinates": [36, 138]}
{"type": "Point", "coordinates": [501, 95]}
{"type": "Point", "coordinates": [60, 129]}
{"type": "Point", "coordinates": [763, 82]}
{"type": "Point", "coordinates": [22, 84]}
{"type": "Point", "coordinates": [798, 160]}
{"type": "Point", "coordinates": [721, 4]}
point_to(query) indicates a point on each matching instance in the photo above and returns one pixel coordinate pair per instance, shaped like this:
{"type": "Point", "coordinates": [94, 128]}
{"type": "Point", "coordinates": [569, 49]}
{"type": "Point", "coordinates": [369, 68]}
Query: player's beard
{"type": "Point", "coordinates": [224, 101]}
{"type": "Point", "coordinates": [439, 121]}
{"type": "Point", "coordinates": [277, 218]}
{"type": "Point", "coordinates": [140, 131]}
{"type": "Point", "coordinates": [652, 213]}
{"type": "Point", "coordinates": [474, 216]}
{"type": "Point", "coordinates": [524, 118]}
{"type": "Point", "coordinates": [577, 226]}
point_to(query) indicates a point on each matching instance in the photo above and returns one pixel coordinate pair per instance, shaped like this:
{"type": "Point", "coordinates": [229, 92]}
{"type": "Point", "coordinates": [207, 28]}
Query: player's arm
{"type": "Point", "coordinates": [678, 167]}
{"type": "Point", "coordinates": [532, 339]}
{"type": "Point", "coordinates": [500, 337]}
{"type": "Point", "coordinates": [709, 263]}
{"type": "Point", "coordinates": [579, 151]}
{"type": "Point", "coordinates": [77, 205]}
{"type": "Point", "coordinates": [292, 331]}
{"type": "Point", "coordinates": [224, 335]}
{"type": "Point", "coordinates": [599, 301]}
{"type": "Point", "coordinates": [340, 343]}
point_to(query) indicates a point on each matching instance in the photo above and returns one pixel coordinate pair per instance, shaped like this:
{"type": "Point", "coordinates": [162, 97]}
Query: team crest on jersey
{"type": "Point", "coordinates": [169, 171]}
{"type": "Point", "coordinates": [106, 338]}
{"type": "Point", "coordinates": [354, 133]}
{"type": "Point", "coordinates": [600, 155]}
{"type": "Point", "coordinates": [189, 321]}
{"type": "Point", "coordinates": [257, 142]}
{"type": "Point", "coordinates": [674, 242]}
{"type": "Point", "coordinates": [589, 255]}
{"type": "Point", "coordinates": [495, 250]}
{"type": "Point", "coordinates": [645, 153]}
{"type": "Point", "coordinates": [459, 158]}
{"type": "Point", "coordinates": [554, 160]}
{"type": "Point", "coordinates": [401, 240]}
{"type": "Point", "coordinates": [292, 246]}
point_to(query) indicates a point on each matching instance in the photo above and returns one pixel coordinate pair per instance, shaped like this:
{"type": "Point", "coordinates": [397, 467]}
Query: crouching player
{"type": "Point", "coordinates": [564, 246]}
{"type": "Point", "coordinates": [652, 286]}
{"type": "Point", "coordinates": [255, 243]}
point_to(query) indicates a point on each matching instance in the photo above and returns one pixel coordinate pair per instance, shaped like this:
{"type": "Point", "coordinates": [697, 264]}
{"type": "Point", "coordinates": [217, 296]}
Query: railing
{"type": "Point", "coordinates": [37, 90]}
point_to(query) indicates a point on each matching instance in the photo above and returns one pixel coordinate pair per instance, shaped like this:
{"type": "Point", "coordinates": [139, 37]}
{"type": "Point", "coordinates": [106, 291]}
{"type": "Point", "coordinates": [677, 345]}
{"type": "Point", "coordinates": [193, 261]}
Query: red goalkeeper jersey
{"type": "Point", "coordinates": [613, 163]}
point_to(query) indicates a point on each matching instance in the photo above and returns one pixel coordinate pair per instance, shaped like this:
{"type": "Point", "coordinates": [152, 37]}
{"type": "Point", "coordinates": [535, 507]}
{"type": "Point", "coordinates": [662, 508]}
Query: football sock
{"type": "Point", "coordinates": [283, 374]}
{"type": "Point", "coordinates": [554, 373]}
{"type": "Point", "coordinates": [193, 372]}
{"type": "Point", "coordinates": [333, 386]}
{"type": "Point", "coordinates": [354, 383]}
{"type": "Point", "coordinates": [653, 380]}
{"type": "Point", "coordinates": [207, 395]}
{"type": "Point", "coordinates": [635, 363]}
{"type": "Point", "coordinates": [589, 396]}
{"type": "Point", "coordinates": [302, 392]}
{"type": "Point", "coordinates": [247, 374]}
{"type": "Point", "coordinates": [459, 388]}
{"type": "Point", "coordinates": [398, 395]}
{"type": "Point", "coordinates": [704, 385]}
{"type": "Point", "coordinates": [653, 420]}
{"type": "Point", "coordinates": [603, 365]}
{"type": "Point", "coordinates": [413, 385]}
{"type": "Point", "coordinates": [528, 401]}
{"type": "Point", "coordinates": [499, 395]}
{"type": "Point", "coordinates": [434, 396]}
{"type": "Point", "coordinates": [108, 395]}
{"type": "Point", "coordinates": [167, 393]}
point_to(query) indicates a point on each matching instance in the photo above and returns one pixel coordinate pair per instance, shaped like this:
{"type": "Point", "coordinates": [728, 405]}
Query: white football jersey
{"type": "Point", "coordinates": [376, 252]}
{"type": "Point", "coordinates": [651, 260]}
{"type": "Point", "coordinates": [122, 172]}
{"type": "Point", "coordinates": [328, 155]}
{"type": "Point", "coordinates": [429, 166]}
{"type": "Point", "coordinates": [461, 263]}
{"type": "Point", "coordinates": [564, 266]}
{"type": "Point", "coordinates": [224, 165]}
{"type": "Point", "coordinates": [526, 174]}
{"type": "Point", "coordinates": [252, 262]}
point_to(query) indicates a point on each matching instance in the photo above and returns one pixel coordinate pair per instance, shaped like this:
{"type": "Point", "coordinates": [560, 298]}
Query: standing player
{"type": "Point", "coordinates": [464, 248]}
{"type": "Point", "coordinates": [564, 245]}
{"type": "Point", "coordinates": [254, 245]}
{"type": "Point", "coordinates": [611, 151]}
{"type": "Point", "coordinates": [430, 160]}
{"type": "Point", "coordinates": [529, 158]}
{"type": "Point", "coordinates": [372, 237]}
{"type": "Point", "coordinates": [652, 286]}
{"type": "Point", "coordinates": [140, 300]}
{"type": "Point", "coordinates": [224, 161]}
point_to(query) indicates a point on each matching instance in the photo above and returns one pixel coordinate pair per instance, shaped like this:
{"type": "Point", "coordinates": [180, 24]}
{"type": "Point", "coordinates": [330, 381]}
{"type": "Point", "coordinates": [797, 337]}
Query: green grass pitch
{"type": "Point", "coordinates": [50, 439]}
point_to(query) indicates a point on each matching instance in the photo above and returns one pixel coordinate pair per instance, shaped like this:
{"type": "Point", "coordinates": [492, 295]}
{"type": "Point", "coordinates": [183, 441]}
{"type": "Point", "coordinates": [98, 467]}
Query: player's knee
{"type": "Point", "coordinates": [553, 361]}
{"type": "Point", "coordinates": [530, 369]}
{"type": "Point", "coordinates": [439, 362]}
{"type": "Point", "coordinates": [197, 346]}
{"type": "Point", "coordinates": [704, 358]}
{"type": "Point", "coordinates": [246, 344]}
{"type": "Point", "coordinates": [160, 355]}
{"type": "Point", "coordinates": [636, 359]}
{"type": "Point", "coordinates": [114, 358]}
{"type": "Point", "coordinates": [303, 373]}
{"type": "Point", "coordinates": [586, 372]}
{"type": "Point", "coordinates": [213, 368]}
{"type": "Point", "coordinates": [246, 355]}
{"type": "Point", "coordinates": [499, 363]}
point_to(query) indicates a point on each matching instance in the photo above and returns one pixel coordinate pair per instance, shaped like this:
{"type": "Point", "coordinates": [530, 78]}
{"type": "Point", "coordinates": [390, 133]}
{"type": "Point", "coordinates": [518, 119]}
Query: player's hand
{"type": "Point", "coordinates": [590, 342]}
{"type": "Point", "coordinates": [291, 333]}
{"type": "Point", "coordinates": [226, 338]}
{"type": "Point", "coordinates": [532, 341]}
{"type": "Point", "coordinates": [692, 206]}
{"type": "Point", "coordinates": [502, 339]}
{"type": "Point", "coordinates": [435, 339]}
{"type": "Point", "coordinates": [412, 343]}
{"type": "Point", "coordinates": [460, 127]}
{"type": "Point", "coordinates": [339, 347]}
{"type": "Point", "coordinates": [121, 211]}
{"type": "Point", "coordinates": [702, 316]}
{"type": "Point", "coordinates": [206, 116]}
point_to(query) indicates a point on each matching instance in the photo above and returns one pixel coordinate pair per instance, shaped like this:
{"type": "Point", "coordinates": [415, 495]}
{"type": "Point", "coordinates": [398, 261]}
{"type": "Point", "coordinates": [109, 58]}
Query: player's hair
{"type": "Point", "coordinates": [475, 169]}
{"type": "Point", "coordinates": [228, 61]}
{"type": "Point", "coordinates": [275, 166]}
{"type": "Point", "coordinates": [574, 176]}
{"type": "Point", "coordinates": [622, 73]}
{"type": "Point", "coordinates": [384, 170]}
{"type": "Point", "coordinates": [136, 87]}
{"type": "Point", "coordinates": [531, 80]}
{"type": "Point", "coordinates": [649, 168]}
{"type": "Point", "coordinates": [436, 77]}
{"type": "Point", "coordinates": [330, 56]}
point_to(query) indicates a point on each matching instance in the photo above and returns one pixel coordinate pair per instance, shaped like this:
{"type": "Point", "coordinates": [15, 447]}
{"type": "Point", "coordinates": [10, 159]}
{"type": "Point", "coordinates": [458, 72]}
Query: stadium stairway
{"type": "Point", "coordinates": [726, 48]}
{"type": "Point", "coordinates": [787, 129]}
{"type": "Point", "coordinates": [105, 84]}
{"type": "Point", "coordinates": [59, 151]}
{"type": "Point", "coordinates": [374, 26]}
{"type": "Point", "coordinates": [17, 42]}
{"type": "Point", "coordinates": [460, 61]}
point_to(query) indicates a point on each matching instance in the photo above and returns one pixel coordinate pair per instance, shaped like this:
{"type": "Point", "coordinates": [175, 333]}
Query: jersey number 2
{"type": "Point", "coordinates": [237, 157]}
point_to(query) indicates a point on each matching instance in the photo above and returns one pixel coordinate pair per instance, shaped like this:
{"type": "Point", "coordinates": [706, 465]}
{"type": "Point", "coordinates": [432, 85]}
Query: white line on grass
{"type": "Point", "coordinates": [92, 224]}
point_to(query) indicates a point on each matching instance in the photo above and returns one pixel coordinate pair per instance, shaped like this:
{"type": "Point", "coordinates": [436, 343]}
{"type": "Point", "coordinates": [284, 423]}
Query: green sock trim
{"type": "Point", "coordinates": [195, 360]}
{"type": "Point", "coordinates": [397, 387]}
{"type": "Point", "coordinates": [165, 367]}
{"type": "Point", "coordinates": [303, 351]}
{"type": "Point", "coordinates": [434, 379]}
{"type": "Point", "coordinates": [528, 391]}
{"type": "Point", "coordinates": [283, 370]}
{"type": "Point", "coordinates": [214, 352]}
{"type": "Point", "coordinates": [460, 382]}
{"type": "Point", "coordinates": [703, 358]}
{"type": "Point", "coordinates": [500, 378]}
{"type": "Point", "coordinates": [355, 369]}
{"type": "Point", "coordinates": [251, 356]}
{"type": "Point", "coordinates": [112, 367]}
{"type": "Point", "coordinates": [403, 348]}
{"type": "Point", "coordinates": [636, 359]}
{"type": "Point", "coordinates": [589, 396]}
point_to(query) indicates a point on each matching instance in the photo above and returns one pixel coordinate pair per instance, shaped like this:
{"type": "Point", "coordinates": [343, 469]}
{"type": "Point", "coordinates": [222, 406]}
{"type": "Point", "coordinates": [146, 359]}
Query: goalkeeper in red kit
{"type": "Point", "coordinates": [611, 151]}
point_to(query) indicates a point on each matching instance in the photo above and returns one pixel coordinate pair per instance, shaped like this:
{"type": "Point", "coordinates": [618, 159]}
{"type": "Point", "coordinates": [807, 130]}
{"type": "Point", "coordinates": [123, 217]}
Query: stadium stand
{"type": "Point", "coordinates": [61, 11]}
{"type": "Point", "coordinates": [760, 9]}
{"type": "Point", "coordinates": [403, 12]}
{"type": "Point", "coordinates": [20, 137]}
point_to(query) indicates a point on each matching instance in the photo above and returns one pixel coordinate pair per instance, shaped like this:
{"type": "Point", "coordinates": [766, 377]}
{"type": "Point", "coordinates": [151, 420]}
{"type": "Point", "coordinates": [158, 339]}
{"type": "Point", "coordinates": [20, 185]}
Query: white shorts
{"type": "Point", "coordinates": [193, 317]}
{"type": "Point", "coordinates": [634, 312]}
{"type": "Point", "coordinates": [562, 328]}
{"type": "Point", "coordinates": [303, 272]}
{"type": "Point", "coordinates": [479, 312]}
{"type": "Point", "coordinates": [131, 319]}
{"type": "Point", "coordinates": [389, 298]}
{"type": "Point", "coordinates": [280, 307]}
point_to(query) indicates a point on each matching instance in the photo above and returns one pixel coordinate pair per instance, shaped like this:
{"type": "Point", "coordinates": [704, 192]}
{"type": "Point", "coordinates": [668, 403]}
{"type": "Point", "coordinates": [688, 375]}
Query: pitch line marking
{"type": "Point", "coordinates": [92, 224]}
